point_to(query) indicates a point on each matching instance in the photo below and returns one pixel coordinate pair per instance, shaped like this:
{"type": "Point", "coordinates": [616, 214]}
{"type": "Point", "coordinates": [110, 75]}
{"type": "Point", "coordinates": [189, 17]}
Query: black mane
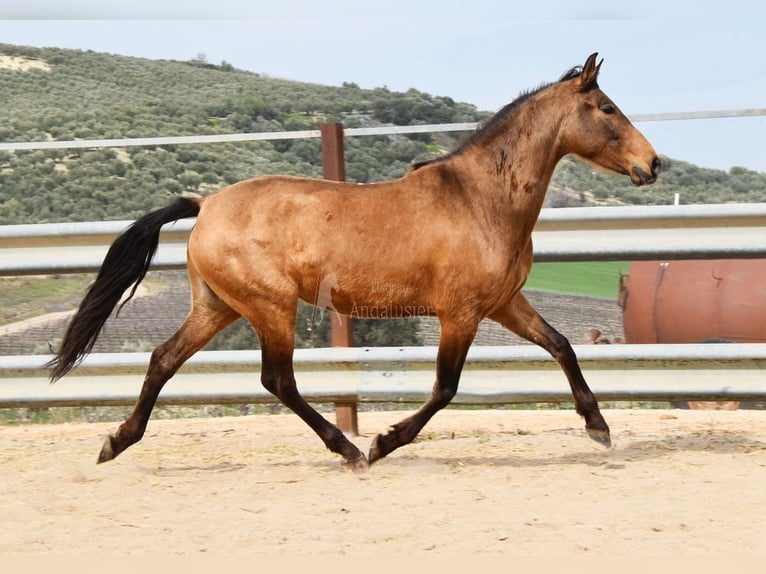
{"type": "Point", "coordinates": [498, 120]}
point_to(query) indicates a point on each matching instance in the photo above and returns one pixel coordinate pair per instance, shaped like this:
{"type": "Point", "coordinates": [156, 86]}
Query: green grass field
{"type": "Point", "coordinates": [23, 298]}
{"type": "Point", "coordinates": [594, 279]}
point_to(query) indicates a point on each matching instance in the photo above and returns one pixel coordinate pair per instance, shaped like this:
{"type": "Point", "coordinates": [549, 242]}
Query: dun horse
{"type": "Point", "coordinates": [452, 236]}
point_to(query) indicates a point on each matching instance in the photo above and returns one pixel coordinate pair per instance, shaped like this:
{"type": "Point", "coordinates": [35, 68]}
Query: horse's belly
{"type": "Point", "coordinates": [367, 299]}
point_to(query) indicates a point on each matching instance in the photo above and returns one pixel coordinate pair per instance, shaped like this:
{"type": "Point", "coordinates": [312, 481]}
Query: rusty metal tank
{"type": "Point", "coordinates": [691, 301]}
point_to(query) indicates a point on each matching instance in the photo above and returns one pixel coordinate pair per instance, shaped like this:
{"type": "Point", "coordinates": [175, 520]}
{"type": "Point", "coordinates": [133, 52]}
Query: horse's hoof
{"type": "Point", "coordinates": [359, 466]}
{"type": "Point", "coordinates": [107, 451]}
{"type": "Point", "coordinates": [376, 452]}
{"type": "Point", "coordinates": [600, 436]}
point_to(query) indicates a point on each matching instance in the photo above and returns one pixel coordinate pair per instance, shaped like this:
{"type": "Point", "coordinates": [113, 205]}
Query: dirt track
{"type": "Point", "coordinates": [476, 482]}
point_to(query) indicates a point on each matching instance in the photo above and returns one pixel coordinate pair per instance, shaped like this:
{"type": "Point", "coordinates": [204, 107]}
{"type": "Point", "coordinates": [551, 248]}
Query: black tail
{"type": "Point", "coordinates": [125, 264]}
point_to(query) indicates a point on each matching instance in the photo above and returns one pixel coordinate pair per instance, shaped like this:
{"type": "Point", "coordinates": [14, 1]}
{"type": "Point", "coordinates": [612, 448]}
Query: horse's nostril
{"type": "Point", "coordinates": [656, 165]}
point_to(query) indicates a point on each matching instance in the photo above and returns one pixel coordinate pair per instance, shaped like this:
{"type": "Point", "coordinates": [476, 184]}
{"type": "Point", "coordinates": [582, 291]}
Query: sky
{"type": "Point", "coordinates": [659, 56]}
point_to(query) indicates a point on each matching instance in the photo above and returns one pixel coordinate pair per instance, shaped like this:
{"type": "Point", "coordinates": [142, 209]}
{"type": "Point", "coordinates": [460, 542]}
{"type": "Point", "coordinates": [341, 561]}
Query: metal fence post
{"type": "Point", "coordinates": [341, 326]}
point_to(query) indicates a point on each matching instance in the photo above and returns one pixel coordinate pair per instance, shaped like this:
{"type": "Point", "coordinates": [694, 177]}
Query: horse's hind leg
{"type": "Point", "coordinates": [454, 342]}
{"type": "Point", "coordinates": [277, 375]}
{"type": "Point", "coordinates": [206, 319]}
{"type": "Point", "coordinates": [521, 318]}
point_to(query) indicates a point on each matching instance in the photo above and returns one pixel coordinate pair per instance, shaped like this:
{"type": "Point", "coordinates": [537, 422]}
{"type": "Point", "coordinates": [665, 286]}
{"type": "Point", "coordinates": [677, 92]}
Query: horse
{"type": "Point", "coordinates": [452, 237]}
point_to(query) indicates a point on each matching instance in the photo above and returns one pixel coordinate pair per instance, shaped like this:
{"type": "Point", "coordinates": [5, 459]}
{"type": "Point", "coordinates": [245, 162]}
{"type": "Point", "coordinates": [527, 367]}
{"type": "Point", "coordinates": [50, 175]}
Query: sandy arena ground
{"type": "Point", "coordinates": [475, 482]}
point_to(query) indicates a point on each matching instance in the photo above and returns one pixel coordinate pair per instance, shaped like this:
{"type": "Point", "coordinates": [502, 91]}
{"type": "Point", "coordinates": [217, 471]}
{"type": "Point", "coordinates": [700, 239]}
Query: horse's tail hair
{"type": "Point", "coordinates": [126, 263]}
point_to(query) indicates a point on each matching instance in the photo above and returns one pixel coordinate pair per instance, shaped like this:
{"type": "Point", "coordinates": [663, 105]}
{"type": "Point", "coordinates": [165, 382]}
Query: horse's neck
{"type": "Point", "coordinates": [527, 153]}
{"type": "Point", "coordinates": [516, 166]}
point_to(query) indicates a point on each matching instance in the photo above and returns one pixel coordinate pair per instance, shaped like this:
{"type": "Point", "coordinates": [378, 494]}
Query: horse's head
{"type": "Point", "coordinates": [596, 130]}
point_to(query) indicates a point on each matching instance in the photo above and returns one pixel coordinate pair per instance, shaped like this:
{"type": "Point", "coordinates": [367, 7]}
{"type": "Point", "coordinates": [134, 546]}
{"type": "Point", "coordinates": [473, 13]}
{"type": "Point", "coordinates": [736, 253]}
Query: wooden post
{"type": "Point", "coordinates": [333, 164]}
{"type": "Point", "coordinates": [346, 418]}
{"type": "Point", "coordinates": [341, 327]}
{"type": "Point", "coordinates": [334, 167]}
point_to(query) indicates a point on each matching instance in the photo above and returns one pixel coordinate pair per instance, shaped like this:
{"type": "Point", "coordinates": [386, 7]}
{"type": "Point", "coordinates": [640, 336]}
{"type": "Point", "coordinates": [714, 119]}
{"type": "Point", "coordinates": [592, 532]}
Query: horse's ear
{"type": "Point", "coordinates": [589, 74]}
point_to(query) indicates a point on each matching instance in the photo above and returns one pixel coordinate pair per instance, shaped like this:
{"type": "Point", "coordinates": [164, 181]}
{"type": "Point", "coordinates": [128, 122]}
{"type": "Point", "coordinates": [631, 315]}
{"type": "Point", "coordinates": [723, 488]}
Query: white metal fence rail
{"type": "Point", "coordinates": [492, 375]}
{"type": "Point", "coordinates": [348, 132]}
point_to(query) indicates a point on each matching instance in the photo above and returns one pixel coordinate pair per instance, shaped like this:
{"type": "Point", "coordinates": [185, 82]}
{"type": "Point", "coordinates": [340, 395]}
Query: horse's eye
{"type": "Point", "coordinates": [607, 109]}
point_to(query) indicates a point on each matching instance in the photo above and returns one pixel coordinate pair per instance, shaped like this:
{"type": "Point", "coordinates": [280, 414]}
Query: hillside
{"type": "Point", "coordinates": [57, 94]}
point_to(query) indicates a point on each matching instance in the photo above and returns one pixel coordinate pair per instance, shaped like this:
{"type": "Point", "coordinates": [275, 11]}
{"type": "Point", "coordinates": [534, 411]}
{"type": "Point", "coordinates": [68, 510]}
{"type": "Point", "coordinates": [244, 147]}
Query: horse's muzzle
{"type": "Point", "coordinates": [639, 177]}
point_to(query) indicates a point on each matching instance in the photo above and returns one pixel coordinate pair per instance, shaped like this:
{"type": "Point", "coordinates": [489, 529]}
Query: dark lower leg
{"type": "Point", "coordinates": [453, 348]}
{"type": "Point", "coordinates": [279, 379]}
{"type": "Point", "coordinates": [586, 404]}
{"type": "Point", "coordinates": [405, 431]}
{"type": "Point", "coordinates": [132, 430]}
{"type": "Point", "coordinates": [165, 361]}
{"type": "Point", "coordinates": [521, 318]}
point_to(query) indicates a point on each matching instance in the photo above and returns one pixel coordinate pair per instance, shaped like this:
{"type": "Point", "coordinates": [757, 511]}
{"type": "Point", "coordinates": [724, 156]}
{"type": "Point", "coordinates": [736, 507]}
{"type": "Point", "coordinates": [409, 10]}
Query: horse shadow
{"type": "Point", "coordinates": [624, 450]}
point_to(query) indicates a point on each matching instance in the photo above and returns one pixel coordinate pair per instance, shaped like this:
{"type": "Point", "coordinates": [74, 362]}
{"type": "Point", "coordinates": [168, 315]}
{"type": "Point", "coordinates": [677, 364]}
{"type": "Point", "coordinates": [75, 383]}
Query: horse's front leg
{"type": "Point", "coordinates": [521, 318]}
{"type": "Point", "coordinates": [453, 348]}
